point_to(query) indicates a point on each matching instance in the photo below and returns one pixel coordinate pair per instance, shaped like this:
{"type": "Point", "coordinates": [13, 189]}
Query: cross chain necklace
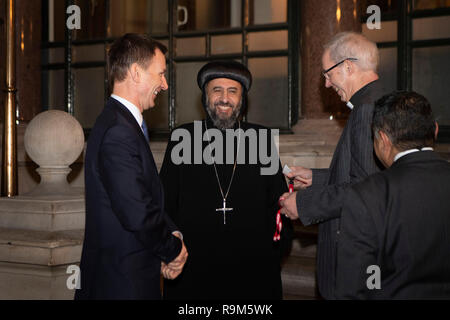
{"type": "Point", "coordinates": [224, 209]}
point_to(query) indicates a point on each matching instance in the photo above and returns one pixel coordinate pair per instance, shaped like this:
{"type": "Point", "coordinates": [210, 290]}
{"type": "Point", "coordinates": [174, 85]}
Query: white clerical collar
{"type": "Point", "coordinates": [350, 105]}
{"type": "Point", "coordinates": [404, 153]}
{"type": "Point", "coordinates": [131, 107]}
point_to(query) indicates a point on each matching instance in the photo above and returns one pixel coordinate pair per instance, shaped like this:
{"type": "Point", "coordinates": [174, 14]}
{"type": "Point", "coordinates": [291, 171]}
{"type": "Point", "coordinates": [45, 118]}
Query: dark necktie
{"type": "Point", "coordinates": [145, 130]}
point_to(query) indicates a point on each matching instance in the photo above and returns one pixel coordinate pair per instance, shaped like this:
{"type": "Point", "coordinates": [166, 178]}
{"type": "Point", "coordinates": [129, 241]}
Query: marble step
{"type": "Point", "coordinates": [298, 297]}
{"type": "Point", "coordinates": [304, 243]}
{"type": "Point", "coordinates": [298, 272]}
{"type": "Point", "coordinates": [298, 278]}
{"type": "Point", "coordinates": [304, 248]}
{"type": "Point", "coordinates": [41, 248]}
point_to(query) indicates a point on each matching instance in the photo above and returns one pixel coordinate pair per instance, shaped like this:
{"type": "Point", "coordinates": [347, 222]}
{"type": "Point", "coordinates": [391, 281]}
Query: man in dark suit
{"type": "Point", "coordinates": [129, 238]}
{"type": "Point", "coordinates": [395, 226]}
{"type": "Point", "coordinates": [349, 63]}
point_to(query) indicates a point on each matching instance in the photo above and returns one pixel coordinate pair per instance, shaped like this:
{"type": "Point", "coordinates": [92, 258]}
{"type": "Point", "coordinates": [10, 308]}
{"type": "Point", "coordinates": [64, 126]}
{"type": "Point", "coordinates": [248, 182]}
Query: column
{"type": "Point", "coordinates": [2, 59]}
{"type": "Point", "coordinates": [28, 58]}
{"type": "Point", "coordinates": [320, 21]}
{"type": "Point", "coordinates": [9, 138]}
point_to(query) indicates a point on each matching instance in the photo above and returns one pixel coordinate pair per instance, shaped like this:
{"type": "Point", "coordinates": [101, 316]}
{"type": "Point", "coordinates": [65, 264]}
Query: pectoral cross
{"type": "Point", "coordinates": [224, 210]}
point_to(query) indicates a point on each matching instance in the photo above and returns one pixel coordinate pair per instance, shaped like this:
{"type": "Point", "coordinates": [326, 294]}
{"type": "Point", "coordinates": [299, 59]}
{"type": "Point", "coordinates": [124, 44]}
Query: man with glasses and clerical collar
{"type": "Point", "coordinates": [349, 65]}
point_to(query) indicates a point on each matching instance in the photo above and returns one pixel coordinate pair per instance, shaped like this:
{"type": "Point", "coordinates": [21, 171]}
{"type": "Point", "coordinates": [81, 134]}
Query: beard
{"type": "Point", "coordinates": [228, 122]}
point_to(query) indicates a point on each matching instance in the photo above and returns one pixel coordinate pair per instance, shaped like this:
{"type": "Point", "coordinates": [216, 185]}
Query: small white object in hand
{"type": "Point", "coordinates": [286, 169]}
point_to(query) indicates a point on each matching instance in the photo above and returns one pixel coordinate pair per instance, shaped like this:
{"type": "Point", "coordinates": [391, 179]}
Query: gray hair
{"type": "Point", "coordinates": [354, 45]}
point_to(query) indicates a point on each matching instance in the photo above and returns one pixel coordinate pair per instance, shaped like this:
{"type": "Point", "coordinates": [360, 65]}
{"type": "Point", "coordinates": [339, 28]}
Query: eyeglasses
{"type": "Point", "coordinates": [325, 72]}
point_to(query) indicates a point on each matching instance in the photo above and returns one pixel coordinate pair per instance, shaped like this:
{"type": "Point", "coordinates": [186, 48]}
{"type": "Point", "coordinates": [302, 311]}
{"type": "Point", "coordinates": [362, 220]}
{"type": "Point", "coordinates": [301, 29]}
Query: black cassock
{"type": "Point", "coordinates": [238, 259]}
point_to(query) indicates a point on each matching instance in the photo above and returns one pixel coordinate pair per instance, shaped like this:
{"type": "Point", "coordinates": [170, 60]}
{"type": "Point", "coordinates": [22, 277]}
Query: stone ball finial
{"type": "Point", "coordinates": [54, 140]}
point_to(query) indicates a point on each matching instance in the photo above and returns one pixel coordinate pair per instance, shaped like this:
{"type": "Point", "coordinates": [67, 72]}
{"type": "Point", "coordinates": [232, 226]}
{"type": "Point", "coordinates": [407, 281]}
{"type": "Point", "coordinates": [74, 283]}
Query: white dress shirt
{"type": "Point", "coordinates": [132, 108]}
{"type": "Point", "coordinates": [404, 153]}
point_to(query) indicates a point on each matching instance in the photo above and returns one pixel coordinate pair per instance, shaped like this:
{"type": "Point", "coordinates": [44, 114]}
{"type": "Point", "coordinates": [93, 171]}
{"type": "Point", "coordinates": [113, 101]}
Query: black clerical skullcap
{"type": "Point", "coordinates": [224, 69]}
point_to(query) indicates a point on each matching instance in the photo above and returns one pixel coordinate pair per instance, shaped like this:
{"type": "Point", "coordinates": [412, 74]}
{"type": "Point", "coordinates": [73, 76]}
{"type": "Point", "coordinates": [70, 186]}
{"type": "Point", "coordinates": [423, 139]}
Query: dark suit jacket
{"type": "Point", "coordinates": [353, 160]}
{"type": "Point", "coordinates": [127, 230]}
{"type": "Point", "coordinates": [399, 220]}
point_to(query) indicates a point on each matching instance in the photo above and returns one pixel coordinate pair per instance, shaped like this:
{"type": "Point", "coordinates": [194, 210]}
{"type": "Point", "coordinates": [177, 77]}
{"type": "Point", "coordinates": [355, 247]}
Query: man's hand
{"type": "Point", "coordinates": [302, 177]}
{"type": "Point", "coordinates": [174, 268]}
{"type": "Point", "coordinates": [169, 273]}
{"type": "Point", "coordinates": [289, 205]}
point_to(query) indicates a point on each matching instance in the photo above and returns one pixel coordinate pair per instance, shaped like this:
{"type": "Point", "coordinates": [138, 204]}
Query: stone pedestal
{"type": "Point", "coordinates": [41, 232]}
{"type": "Point", "coordinates": [33, 282]}
{"type": "Point", "coordinates": [28, 177]}
{"type": "Point", "coordinates": [39, 239]}
{"type": "Point", "coordinates": [55, 215]}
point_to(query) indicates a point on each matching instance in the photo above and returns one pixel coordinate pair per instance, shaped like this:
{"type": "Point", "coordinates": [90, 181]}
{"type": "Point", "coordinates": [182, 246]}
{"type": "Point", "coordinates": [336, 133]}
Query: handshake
{"type": "Point", "coordinates": [301, 178]}
{"type": "Point", "coordinates": [173, 269]}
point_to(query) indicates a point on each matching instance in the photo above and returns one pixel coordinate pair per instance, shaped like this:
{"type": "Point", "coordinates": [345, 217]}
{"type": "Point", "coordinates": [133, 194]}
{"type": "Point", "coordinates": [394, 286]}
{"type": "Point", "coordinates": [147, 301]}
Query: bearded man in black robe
{"type": "Point", "coordinates": [222, 180]}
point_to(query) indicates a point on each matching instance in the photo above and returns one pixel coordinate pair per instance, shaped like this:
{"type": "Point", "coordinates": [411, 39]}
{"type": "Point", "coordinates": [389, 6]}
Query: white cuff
{"type": "Point", "coordinates": [178, 232]}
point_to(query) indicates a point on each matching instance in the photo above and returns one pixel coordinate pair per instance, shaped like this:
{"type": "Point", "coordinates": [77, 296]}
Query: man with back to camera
{"type": "Point", "coordinates": [129, 238]}
{"type": "Point", "coordinates": [350, 65]}
{"type": "Point", "coordinates": [395, 226]}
